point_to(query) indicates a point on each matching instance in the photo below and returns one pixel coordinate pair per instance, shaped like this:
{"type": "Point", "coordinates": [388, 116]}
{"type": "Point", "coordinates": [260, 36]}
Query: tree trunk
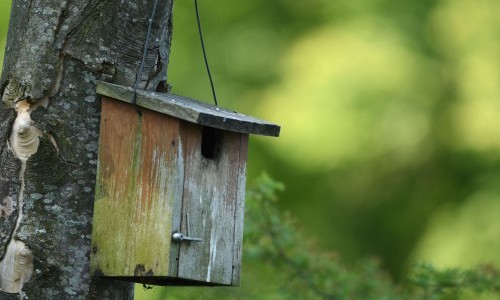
{"type": "Point", "coordinates": [49, 125]}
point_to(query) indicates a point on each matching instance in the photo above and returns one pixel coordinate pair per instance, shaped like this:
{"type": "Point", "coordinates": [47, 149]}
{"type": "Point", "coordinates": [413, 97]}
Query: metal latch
{"type": "Point", "coordinates": [180, 237]}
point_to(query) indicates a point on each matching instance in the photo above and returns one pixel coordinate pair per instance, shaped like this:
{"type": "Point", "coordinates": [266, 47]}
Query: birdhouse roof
{"type": "Point", "coordinates": [190, 110]}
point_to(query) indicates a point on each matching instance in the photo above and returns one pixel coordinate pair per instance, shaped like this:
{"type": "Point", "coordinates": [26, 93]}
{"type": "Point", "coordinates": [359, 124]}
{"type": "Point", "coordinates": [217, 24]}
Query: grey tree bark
{"type": "Point", "coordinates": [49, 125]}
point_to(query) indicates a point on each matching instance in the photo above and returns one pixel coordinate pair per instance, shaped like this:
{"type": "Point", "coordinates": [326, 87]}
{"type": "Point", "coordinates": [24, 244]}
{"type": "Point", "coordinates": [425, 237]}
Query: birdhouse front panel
{"type": "Point", "coordinates": [213, 203]}
{"type": "Point", "coordinates": [139, 181]}
{"type": "Point", "coordinates": [170, 189]}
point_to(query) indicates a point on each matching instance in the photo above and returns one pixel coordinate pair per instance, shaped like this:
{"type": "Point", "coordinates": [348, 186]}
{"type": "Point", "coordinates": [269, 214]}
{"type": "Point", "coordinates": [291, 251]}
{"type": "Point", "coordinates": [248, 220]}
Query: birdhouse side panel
{"type": "Point", "coordinates": [240, 210]}
{"type": "Point", "coordinates": [140, 176]}
{"type": "Point", "coordinates": [210, 203]}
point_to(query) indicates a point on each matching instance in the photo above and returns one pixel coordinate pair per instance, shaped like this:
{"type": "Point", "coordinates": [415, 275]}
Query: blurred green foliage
{"type": "Point", "coordinates": [389, 112]}
{"type": "Point", "coordinates": [455, 283]}
{"type": "Point", "coordinates": [285, 264]}
{"type": "Point", "coordinates": [4, 23]}
{"type": "Point", "coordinates": [390, 144]}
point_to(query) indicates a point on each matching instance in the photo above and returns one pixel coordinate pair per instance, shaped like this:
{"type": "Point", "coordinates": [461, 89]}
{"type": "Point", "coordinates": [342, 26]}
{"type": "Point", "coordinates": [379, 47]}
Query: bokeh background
{"type": "Point", "coordinates": [390, 115]}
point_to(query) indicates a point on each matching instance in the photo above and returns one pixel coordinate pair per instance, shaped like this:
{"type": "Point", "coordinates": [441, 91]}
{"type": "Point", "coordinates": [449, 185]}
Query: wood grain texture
{"type": "Point", "coordinates": [239, 211]}
{"type": "Point", "coordinates": [210, 200]}
{"type": "Point", "coordinates": [190, 110]}
{"type": "Point", "coordinates": [139, 180]}
{"type": "Point", "coordinates": [152, 177]}
{"type": "Point", "coordinates": [177, 207]}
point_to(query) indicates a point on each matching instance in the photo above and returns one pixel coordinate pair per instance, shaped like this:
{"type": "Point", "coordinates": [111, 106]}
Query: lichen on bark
{"type": "Point", "coordinates": [9, 180]}
{"type": "Point", "coordinates": [55, 50]}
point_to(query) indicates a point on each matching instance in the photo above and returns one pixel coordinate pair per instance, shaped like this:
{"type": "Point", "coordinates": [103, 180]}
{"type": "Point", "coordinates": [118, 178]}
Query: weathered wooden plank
{"type": "Point", "coordinates": [190, 110]}
{"type": "Point", "coordinates": [210, 195]}
{"type": "Point", "coordinates": [240, 210]}
{"type": "Point", "coordinates": [112, 208]}
{"type": "Point", "coordinates": [177, 206]}
{"type": "Point", "coordinates": [138, 182]}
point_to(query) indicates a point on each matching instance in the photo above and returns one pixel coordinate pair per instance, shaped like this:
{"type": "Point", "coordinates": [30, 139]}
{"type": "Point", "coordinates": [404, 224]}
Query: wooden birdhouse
{"type": "Point", "coordinates": [170, 189]}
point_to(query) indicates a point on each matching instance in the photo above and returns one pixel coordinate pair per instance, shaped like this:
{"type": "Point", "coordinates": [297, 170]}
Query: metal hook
{"type": "Point", "coordinates": [180, 237]}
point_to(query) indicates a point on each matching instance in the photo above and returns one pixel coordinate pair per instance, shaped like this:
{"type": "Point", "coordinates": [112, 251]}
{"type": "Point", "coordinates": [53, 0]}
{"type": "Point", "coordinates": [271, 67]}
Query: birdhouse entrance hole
{"type": "Point", "coordinates": [210, 142]}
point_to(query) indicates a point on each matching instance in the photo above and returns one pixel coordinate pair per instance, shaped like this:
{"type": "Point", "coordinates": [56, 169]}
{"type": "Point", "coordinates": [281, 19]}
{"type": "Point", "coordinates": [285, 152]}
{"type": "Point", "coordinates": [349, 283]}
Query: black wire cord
{"type": "Point", "coordinates": [205, 52]}
{"type": "Point", "coordinates": [144, 52]}
{"type": "Point", "coordinates": [146, 45]}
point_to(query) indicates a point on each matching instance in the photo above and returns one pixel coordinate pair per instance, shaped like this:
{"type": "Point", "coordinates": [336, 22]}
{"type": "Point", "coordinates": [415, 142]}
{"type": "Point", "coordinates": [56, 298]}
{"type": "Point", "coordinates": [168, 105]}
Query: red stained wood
{"type": "Point", "coordinates": [138, 183]}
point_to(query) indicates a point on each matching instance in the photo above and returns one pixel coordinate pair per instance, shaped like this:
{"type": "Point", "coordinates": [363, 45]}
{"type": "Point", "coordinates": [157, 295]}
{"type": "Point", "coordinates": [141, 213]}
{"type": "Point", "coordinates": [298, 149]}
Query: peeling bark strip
{"type": "Point", "coordinates": [16, 267]}
{"type": "Point", "coordinates": [49, 121]}
{"type": "Point", "coordinates": [24, 137]}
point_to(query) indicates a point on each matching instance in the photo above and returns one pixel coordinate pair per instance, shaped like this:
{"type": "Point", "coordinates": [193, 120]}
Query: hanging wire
{"type": "Point", "coordinates": [224, 44]}
{"type": "Point", "coordinates": [205, 52]}
{"type": "Point", "coordinates": [144, 52]}
{"type": "Point", "coordinates": [146, 45]}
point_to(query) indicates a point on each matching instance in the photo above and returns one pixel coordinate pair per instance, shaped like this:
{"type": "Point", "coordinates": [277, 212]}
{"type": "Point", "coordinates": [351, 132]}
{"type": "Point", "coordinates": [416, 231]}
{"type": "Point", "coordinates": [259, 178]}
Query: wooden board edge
{"type": "Point", "coordinates": [239, 212]}
{"type": "Point", "coordinates": [173, 105]}
{"type": "Point", "coordinates": [219, 122]}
